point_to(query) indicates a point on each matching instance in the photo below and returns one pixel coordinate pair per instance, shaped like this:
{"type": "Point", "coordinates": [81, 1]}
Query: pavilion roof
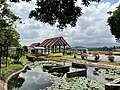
{"type": "Point", "coordinates": [54, 41]}
{"type": "Point", "coordinates": [35, 45]}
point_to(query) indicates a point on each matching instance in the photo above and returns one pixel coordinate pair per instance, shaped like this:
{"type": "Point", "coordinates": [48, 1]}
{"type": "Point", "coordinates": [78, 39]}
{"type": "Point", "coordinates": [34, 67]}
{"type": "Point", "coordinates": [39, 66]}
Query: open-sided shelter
{"type": "Point", "coordinates": [57, 44]}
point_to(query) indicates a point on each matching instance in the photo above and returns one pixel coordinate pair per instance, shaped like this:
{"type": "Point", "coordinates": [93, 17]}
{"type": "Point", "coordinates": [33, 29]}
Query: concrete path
{"type": "Point", "coordinates": [104, 58]}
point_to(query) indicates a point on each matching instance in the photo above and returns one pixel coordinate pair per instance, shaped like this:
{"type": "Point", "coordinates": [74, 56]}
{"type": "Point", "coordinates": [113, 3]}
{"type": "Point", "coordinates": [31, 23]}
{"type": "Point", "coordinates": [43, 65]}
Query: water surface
{"type": "Point", "coordinates": [34, 79]}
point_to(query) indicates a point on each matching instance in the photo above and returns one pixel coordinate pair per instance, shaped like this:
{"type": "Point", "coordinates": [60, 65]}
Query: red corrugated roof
{"type": "Point", "coordinates": [35, 45]}
{"type": "Point", "coordinates": [54, 41]}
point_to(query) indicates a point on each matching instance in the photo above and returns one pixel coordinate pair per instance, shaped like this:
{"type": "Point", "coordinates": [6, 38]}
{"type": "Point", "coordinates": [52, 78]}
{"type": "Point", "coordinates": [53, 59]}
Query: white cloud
{"type": "Point", "coordinates": [91, 26]}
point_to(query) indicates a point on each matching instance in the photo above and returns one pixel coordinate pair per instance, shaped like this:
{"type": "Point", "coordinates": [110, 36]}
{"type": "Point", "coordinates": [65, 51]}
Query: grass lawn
{"type": "Point", "coordinates": [23, 60]}
{"type": "Point", "coordinates": [71, 57]}
{"type": "Point", "coordinates": [110, 63]}
{"type": "Point", "coordinates": [12, 67]}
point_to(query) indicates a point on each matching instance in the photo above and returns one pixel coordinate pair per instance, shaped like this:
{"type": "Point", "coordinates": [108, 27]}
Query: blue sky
{"type": "Point", "coordinates": [91, 28]}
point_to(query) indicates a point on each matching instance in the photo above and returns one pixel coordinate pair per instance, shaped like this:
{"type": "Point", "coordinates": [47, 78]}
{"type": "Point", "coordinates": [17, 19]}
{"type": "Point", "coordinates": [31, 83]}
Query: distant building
{"type": "Point", "coordinates": [77, 50]}
{"type": "Point", "coordinates": [34, 45]}
{"type": "Point", "coordinates": [35, 48]}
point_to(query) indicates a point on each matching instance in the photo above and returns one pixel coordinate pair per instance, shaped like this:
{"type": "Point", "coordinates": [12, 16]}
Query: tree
{"type": "Point", "coordinates": [60, 12]}
{"type": "Point", "coordinates": [114, 23]}
{"type": "Point", "coordinates": [8, 35]}
{"type": "Point", "coordinates": [19, 53]}
{"type": "Point", "coordinates": [25, 49]}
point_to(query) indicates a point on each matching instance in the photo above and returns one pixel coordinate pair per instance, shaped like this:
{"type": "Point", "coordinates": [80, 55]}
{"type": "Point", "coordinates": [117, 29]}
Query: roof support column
{"type": "Point", "coordinates": [64, 50]}
{"type": "Point", "coordinates": [59, 48]}
{"type": "Point", "coordinates": [48, 49]}
{"type": "Point", "coordinates": [55, 48]}
{"type": "Point", "coordinates": [45, 49]}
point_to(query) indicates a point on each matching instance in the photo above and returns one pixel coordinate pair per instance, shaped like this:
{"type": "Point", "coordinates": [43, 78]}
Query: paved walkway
{"type": "Point", "coordinates": [104, 58]}
{"type": "Point", "coordinates": [89, 63]}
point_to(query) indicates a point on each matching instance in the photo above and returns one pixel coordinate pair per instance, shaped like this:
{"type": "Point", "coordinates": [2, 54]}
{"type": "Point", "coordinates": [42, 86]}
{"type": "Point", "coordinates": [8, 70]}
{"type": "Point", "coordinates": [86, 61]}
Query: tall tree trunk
{"type": "Point", "coordinates": [0, 54]}
{"type": "Point", "coordinates": [6, 55]}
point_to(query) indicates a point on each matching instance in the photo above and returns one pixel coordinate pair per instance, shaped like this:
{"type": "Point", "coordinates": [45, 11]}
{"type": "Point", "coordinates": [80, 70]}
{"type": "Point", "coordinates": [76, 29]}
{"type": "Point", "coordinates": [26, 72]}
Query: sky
{"type": "Point", "coordinates": [91, 28]}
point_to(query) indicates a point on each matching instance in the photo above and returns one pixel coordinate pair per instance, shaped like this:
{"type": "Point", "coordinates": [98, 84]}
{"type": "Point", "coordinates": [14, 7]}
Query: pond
{"type": "Point", "coordinates": [33, 79]}
{"type": "Point", "coordinates": [36, 79]}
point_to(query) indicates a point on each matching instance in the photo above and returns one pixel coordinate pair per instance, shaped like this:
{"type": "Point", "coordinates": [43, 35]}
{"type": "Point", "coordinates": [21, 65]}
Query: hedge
{"type": "Point", "coordinates": [31, 57]}
{"type": "Point", "coordinates": [56, 55]}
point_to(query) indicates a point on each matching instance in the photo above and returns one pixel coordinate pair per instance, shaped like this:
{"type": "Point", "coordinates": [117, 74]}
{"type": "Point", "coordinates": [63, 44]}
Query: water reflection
{"type": "Point", "coordinates": [90, 71]}
{"type": "Point", "coordinates": [34, 79]}
{"type": "Point", "coordinates": [15, 82]}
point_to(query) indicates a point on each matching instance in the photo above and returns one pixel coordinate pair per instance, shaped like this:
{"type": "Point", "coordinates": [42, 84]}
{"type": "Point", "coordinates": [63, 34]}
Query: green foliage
{"type": "Point", "coordinates": [3, 60]}
{"type": "Point", "coordinates": [62, 12]}
{"type": "Point", "coordinates": [31, 57]}
{"type": "Point", "coordinates": [7, 20]}
{"type": "Point", "coordinates": [114, 23]}
{"type": "Point", "coordinates": [83, 83]}
{"type": "Point", "coordinates": [25, 49]}
{"type": "Point", "coordinates": [6, 15]}
{"type": "Point", "coordinates": [19, 53]}
{"type": "Point", "coordinates": [105, 48]}
{"type": "Point", "coordinates": [10, 68]}
{"type": "Point", "coordinates": [8, 35]}
{"type": "Point", "coordinates": [15, 82]}
{"type": "Point", "coordinates": [84, 56]}
{"type": "Point", "coordinates": [19, 0]}
{"type": "Point", "coordinates": [23, 60]}
{"type": "Point", "coordinates": [51, 11]}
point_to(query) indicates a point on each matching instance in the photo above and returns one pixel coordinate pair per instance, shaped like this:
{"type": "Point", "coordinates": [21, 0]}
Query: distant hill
{"type": "Point", "coordinates": [100, 44]}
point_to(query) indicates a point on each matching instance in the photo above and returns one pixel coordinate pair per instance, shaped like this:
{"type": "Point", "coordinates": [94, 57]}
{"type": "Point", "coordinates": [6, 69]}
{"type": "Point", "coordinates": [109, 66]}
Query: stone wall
{"type": "Point", "coordinates": [115, 85]}
{"type": "Point", "coordinates": [78, 65]}
{"type": "Point", "coordinates": [81, 72]}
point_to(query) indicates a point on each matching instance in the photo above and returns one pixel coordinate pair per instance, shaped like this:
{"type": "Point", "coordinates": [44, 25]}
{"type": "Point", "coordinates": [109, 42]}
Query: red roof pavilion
{"type": "Point", "coordinates": [54, 42]}
{"type": "Point", "coordinates": [35, 45]}
{"type": "Point", "coordinates": [52, 45]}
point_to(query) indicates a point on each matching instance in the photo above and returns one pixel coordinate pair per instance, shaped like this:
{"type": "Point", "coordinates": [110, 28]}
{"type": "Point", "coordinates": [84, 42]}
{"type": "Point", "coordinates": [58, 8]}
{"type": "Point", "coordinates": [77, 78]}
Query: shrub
{"type": "Point", "coordinates": [95, 53]}
{"type": "Point", "coordinates": [116, 53]}
{"type": "Point", "coordinates": [56, 55]}
{"type": "Point", "coordinates": [68, 52]}
{"type": "Point", "coordinates": [30, 57]}
{"type": "Point", "coordinates": [84, 56]}
{"type": "Point", "coordinates": [97, 57]}
{"type": "Point", "coordinates": [109, 53]}
{"type": "Point", "coordinates": [111, 58]}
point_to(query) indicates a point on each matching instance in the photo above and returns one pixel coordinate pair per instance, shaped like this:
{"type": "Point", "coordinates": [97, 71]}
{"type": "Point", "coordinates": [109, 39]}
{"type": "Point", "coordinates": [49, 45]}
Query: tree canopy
{"type": "Point", "coordinates": [8, 35]}
{"type": "Point", "coordinates": [114, 23]}
{"type": "Point", "coordinates": [7, 19]}
{"type": "Point", "coordinates": [57, 12]}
